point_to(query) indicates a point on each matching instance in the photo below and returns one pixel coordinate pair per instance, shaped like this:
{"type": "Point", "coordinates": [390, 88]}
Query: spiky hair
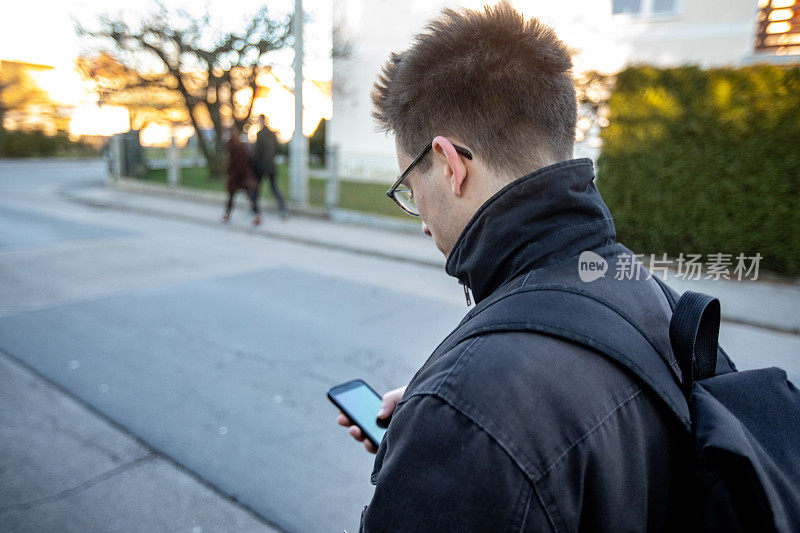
{"type": "Point", "coordinates": [496, 81]}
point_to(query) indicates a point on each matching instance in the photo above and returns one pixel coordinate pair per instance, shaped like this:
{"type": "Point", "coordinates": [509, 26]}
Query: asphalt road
{"type": "Point", "coordinates": [216, 348]}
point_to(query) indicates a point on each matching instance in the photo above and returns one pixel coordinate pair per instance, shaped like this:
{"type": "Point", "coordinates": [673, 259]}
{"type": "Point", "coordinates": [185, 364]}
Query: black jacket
{"type": "Point", "coordinates": [525, 432]}
{"type": "Point", "coordinates": [266, 147]}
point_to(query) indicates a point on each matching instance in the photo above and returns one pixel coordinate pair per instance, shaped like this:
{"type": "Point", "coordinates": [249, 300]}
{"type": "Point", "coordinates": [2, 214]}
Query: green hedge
{"type": "Point", "coordinates": [706, 161]}
{"type": "Point", "coordinates": [37, 144]}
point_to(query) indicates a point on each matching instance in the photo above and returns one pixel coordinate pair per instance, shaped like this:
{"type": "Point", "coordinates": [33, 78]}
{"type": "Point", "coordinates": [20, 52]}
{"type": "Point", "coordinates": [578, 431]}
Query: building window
{"type": "Point", "coordinates": [665, 7]}
{"type": "Point", "coordinates": [645, 8]}
{"type": "Point", "coordinates": [778, 29]}
{"type": "Point", "coordinates": [629, 7]}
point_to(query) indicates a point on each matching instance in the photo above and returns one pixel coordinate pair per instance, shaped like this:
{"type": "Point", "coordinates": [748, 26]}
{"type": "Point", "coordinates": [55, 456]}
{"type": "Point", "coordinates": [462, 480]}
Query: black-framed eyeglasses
{"type": "Point", "coordinates": [401, 194]}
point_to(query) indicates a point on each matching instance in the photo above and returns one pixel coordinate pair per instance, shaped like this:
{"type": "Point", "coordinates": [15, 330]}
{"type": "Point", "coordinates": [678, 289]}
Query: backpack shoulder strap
{"type": "Point", "coordinates": [694, 335]}
{"type": "Point", "coordinates": [723, 363]}
{"type": "Point", "coordinates": [562, 312]}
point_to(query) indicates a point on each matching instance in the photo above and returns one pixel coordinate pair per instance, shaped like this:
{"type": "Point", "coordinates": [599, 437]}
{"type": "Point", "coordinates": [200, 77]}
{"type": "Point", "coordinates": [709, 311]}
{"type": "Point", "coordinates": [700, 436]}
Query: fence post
{"type": "Point", "coordinates": [199, 160]}
{"type": "Point", "coordinates": [115, 149]}
{"type": "Point", "coordinates": [174, 168]}
{"type": "Point", "coordinates": [332, 185]}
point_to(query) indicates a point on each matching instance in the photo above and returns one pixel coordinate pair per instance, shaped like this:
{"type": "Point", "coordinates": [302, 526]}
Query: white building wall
{"type": "Point", "coordinates": [707, 33]}
{"type": "Point", "coordinates": [375, 28]}
{"type": "Point", "coordinates": [703, 32]}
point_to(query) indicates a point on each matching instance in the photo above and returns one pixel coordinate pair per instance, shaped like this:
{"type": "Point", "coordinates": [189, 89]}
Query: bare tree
{"type": "Point", "coordinates": [119, 85]}
{"type": "Point", "coordinates": [214, 74]}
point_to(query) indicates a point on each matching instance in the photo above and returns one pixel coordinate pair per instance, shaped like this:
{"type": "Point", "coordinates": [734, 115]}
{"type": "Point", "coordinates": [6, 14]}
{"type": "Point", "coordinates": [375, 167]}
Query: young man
{"type": "Point", "coordinates": [264, 161]}
{"type": "Point", "coordinates": [515, 431]}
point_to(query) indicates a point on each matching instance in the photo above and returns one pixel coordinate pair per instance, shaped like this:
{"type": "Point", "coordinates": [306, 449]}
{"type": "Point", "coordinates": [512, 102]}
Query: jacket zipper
{"type": "Point", "coordinates": [466, 294]}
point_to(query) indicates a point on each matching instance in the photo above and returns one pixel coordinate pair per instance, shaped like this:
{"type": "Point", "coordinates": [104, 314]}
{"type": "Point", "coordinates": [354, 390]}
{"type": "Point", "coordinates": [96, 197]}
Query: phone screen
{"type": "Point", "coordinates": [361, 404]}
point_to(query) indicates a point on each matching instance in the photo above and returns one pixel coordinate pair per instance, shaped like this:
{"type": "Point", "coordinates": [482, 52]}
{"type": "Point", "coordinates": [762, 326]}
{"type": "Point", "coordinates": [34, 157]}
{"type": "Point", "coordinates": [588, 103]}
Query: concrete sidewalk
{"type": "Point", "coordinates": [401, 241]}
{"type": "Point", "coordinates": [66, 468]}
{"type": "Point", "coordinates": [765, 304]}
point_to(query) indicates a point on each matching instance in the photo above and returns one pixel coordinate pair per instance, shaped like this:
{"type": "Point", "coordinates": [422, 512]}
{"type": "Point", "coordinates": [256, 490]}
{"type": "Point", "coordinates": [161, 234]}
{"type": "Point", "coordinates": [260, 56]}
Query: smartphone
{"type": "Point", "coordinates": [361, 404]}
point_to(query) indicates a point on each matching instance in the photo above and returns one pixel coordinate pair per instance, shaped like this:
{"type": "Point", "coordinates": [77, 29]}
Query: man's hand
{"type": "Point", "coordinates": [390, 400]}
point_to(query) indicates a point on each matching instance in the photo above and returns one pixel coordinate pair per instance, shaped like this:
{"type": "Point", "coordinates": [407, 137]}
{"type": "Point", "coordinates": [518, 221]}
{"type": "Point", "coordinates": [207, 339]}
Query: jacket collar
{"type": "Point", "coordinates": [540, 219]}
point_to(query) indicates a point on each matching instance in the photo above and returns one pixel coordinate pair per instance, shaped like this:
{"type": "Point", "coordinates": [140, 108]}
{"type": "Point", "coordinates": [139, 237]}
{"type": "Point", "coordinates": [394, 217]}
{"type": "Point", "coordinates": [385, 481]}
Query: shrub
{"type": "Point", "coordinates": [35, 143]}
{"type": "Point", "coordinates": [706, 161]}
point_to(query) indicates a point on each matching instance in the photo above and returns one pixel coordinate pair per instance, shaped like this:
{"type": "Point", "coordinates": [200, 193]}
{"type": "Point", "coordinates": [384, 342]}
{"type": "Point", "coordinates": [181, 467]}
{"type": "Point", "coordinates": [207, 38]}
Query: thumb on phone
{"type": "Point", "coordinates": [390, 401]}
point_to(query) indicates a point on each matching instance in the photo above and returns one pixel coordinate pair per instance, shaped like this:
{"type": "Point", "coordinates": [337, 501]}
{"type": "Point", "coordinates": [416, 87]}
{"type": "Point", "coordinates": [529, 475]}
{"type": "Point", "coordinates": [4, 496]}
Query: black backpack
{"type": "Point", "coordinates": [745, 426]}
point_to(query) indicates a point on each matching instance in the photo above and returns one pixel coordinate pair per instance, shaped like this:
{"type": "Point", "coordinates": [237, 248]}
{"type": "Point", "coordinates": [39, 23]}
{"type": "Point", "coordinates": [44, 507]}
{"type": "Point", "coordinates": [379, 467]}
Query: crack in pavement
{"type": "Point", "coordinates": [152, 454]}
{"type": "Point", "coordinates": [83, 486]}
{"type": "Point", "coordinates": [88, 443]}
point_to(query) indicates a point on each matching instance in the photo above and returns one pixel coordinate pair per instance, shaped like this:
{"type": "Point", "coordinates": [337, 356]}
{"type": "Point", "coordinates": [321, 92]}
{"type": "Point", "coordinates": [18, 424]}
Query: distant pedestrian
{"type": "Point", "coordinates": [240, 175]}
{"type": "Point", "coordinates": [264, 161]}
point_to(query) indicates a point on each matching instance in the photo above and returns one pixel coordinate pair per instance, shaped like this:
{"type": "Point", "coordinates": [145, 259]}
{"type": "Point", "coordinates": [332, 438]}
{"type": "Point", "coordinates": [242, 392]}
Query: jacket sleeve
{"type": "Point", "coordinates": [438, 471]}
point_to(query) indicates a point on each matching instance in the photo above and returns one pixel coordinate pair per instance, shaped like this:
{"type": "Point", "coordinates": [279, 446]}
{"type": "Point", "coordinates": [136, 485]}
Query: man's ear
{"type": "Point", "coordinates": [454, 168]}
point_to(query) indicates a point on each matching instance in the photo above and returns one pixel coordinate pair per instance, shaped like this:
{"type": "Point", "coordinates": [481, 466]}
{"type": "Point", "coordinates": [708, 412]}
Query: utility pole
{"type": "Point", "coordinates": [298, 146]}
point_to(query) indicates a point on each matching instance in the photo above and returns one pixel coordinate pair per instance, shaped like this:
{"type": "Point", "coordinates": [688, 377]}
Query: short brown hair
{"type": "Point", "coordinates": [499, 83]}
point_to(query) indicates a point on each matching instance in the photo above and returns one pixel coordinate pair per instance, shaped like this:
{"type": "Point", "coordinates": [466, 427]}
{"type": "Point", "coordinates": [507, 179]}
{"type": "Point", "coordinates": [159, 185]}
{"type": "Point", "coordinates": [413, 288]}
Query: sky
{"type": "Point", "coordinates": [42, 31]}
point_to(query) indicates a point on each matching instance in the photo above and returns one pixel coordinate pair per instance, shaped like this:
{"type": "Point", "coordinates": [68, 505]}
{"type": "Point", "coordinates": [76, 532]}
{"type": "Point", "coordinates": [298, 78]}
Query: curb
{"type": "Point", "coordinates": [198, 195]}
{"type": "Point", "coordinates": [336, 217]}
{"type": "Point", "coordinates": [205, 197]}
{"type": "Point", "coordinates": [216, 197]}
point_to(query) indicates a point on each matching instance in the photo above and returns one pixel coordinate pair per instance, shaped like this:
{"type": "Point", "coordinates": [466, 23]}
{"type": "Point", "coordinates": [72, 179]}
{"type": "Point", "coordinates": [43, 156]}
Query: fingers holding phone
{"type": "Point", "coordinates": [356, 432]}
{"type": "Point", "coordinates": [357, 401]}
